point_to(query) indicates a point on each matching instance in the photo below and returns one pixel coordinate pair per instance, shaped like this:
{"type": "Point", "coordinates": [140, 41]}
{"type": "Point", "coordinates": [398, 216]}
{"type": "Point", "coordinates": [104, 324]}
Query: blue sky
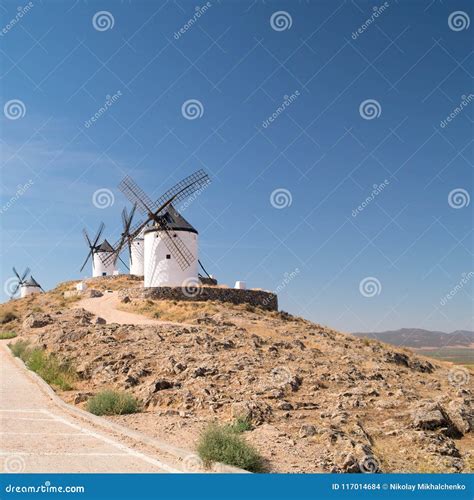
{"type": "Point", "coordinates": [282, 210]}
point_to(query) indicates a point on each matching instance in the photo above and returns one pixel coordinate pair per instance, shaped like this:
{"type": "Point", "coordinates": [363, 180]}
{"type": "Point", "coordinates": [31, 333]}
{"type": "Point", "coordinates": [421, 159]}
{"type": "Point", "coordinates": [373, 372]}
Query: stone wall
{"type": "Point", "coordinates": [259, 298]}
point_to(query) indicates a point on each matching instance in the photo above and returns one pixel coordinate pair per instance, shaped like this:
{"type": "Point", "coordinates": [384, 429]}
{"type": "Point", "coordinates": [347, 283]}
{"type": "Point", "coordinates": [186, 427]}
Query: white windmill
{"type": "Point", "coordinates": [170, 242]}
{"type": "Point", "coordinates": [26, 286]}
{"type": "Point", "coordinates": [101, 265]}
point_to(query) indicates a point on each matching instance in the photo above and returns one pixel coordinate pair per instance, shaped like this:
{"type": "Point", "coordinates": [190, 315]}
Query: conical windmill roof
{"type": "Point", "coordinates": [175, 221]}
{"type": "Point", "coordinates": [30, 282]}
{"type": "Point", "coordinates": [104, 247]}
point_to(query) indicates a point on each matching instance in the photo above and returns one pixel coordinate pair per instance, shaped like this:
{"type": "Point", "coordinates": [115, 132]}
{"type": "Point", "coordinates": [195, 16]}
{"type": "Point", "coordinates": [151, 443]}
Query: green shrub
{"type": "Point", "coordinates": [7, 317]}
{"type": "Point", "coordinates": [222, 444]}
{"type": "Point", "coordinates": [19, 348]}
{"type": "Point", "coordinates": [7, 335]}
{"type": "Point", "coordinates": [112, 403]}
{"type": "Point", "coordinates": [239, 425]}
{"type": "Point", "coordinates": [46, 365]}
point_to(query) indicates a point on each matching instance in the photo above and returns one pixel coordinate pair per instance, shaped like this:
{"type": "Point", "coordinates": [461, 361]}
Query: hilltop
{"type": "Point", "coordinates": [318, 400]}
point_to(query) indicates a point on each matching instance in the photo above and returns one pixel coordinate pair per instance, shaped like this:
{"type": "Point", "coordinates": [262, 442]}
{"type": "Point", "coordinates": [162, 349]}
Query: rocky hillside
{"type": "Point", "coordinates": [318, 400]}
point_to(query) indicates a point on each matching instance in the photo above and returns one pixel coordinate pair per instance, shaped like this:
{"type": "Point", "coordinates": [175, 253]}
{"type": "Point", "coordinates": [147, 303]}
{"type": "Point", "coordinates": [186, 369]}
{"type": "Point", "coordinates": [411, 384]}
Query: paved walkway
{"type": "Point", "coordinates": [36, 435]}
{"type": "Point", "coordinates": [106, 307]}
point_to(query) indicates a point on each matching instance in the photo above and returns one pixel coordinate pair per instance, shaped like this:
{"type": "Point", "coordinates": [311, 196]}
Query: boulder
{"type": "Point", "coordinates": [432, 416]}
{"type": "Point", "coordinates": [37, 320]}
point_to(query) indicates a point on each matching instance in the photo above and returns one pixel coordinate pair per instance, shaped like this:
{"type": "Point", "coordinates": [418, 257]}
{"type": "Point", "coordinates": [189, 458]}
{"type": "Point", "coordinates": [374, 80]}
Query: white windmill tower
{"type": "Point", "coordinates": [170, 242]}
{"type": "Point", "coordinates": [101, 264]}
{"type": "Point", "coordinates": [29, 287]}
{"type": "Point", "coordinates": [26, 286]}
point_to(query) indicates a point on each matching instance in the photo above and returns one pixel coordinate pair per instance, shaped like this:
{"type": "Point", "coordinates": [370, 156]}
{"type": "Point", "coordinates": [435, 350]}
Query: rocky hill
{"type": "Point", "coordinates": [319, 400]}
{"type": "Point", "coordinates": [417, 337]}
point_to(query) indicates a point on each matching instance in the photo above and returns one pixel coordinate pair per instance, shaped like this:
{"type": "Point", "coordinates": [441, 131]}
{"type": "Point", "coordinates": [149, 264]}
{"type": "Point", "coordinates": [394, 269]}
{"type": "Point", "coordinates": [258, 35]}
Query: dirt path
{"type": "Point", "coordinates": [106, 307]}
{"type": "Point", "coordinates": [36, 435]}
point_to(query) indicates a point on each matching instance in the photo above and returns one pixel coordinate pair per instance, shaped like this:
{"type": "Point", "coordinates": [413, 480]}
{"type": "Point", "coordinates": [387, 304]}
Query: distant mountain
{"type": "Point", "coordinates": [417, 337]}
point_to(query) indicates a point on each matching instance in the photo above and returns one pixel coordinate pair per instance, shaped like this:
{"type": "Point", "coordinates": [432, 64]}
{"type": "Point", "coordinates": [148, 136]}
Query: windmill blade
{"type": "Point", "coordinates": [136, 195]}
{"type": "Point", "coordinates": [87, 258]}
{"type": "Point", "coordinates": [86, 237]}
{"type": "Point", "coordinates": [176, 246]}
{"type": "Point", "coordinates": [16, 274]}
{"type": "Point", "coordinates": [98, 234]}
{"type": "Point", "coordinates": [25, 274]}
{"type": "Point", "coordinates": [125, 236]}
{"type": "Point", "coordinates": [15, 290]}
{"type": "Point", "coordinates": [128, 269]}
{"type": "Point", "coordinates": [183, 190]}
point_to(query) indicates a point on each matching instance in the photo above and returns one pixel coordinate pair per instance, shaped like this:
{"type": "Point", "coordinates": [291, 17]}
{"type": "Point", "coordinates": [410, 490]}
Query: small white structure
{"type": "Point", "coordinates": [240, 285]}
{"type": "Point", "coordinates": [81, 286]}
{"type": "Point", "coordinates": [160, 267]}
{"type": "Point", "coordinates": [29, 287]}
{"type": "Point", "coordinates": [101, 264]}
{"type": "Point", "coordinates": [137, 255]}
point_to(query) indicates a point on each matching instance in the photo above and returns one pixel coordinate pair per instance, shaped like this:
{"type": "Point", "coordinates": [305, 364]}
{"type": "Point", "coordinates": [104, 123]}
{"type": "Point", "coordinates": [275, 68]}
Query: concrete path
{"type": "Point", "coordinates": [36, 435]}
{"type": "Point", "coordinates": [106, 307]}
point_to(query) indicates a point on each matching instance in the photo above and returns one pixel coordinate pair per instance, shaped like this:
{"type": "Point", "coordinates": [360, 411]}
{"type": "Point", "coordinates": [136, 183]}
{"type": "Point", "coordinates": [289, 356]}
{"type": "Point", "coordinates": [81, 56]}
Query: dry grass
{"type": "Point", "coordinates": [171, 310]}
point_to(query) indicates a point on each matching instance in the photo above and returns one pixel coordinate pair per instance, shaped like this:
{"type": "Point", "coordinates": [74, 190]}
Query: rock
{"type": "Point", "coordinates": [126, 300]}
{"type": "Point", "coordinates": [432, 416]}
{"type": "Point", "coordinates": [100, 321]}
{"type": "Point", "coordinates": [162, 384]}
{"type": "Point", "coordinates": [37, 320]}
{"type": "Point", "coordinates": [350, 465]}
{"type": "Point", "coordinates": [91, 293]}
{"type": "Point", "coordinates": [179, 367]}
{"type": "Point", "coordinates": [252, 411]}
{"type": "Point", "coordinates": [80, 397]}
{"type": "Point", "coordinates": [404, 360]}
{"type": "Point", "coordinates": [203, 371]}
{"type": "Point", "coordinates": [285, 406]}
{"type": "Point", "coordinates": [307, 431]}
